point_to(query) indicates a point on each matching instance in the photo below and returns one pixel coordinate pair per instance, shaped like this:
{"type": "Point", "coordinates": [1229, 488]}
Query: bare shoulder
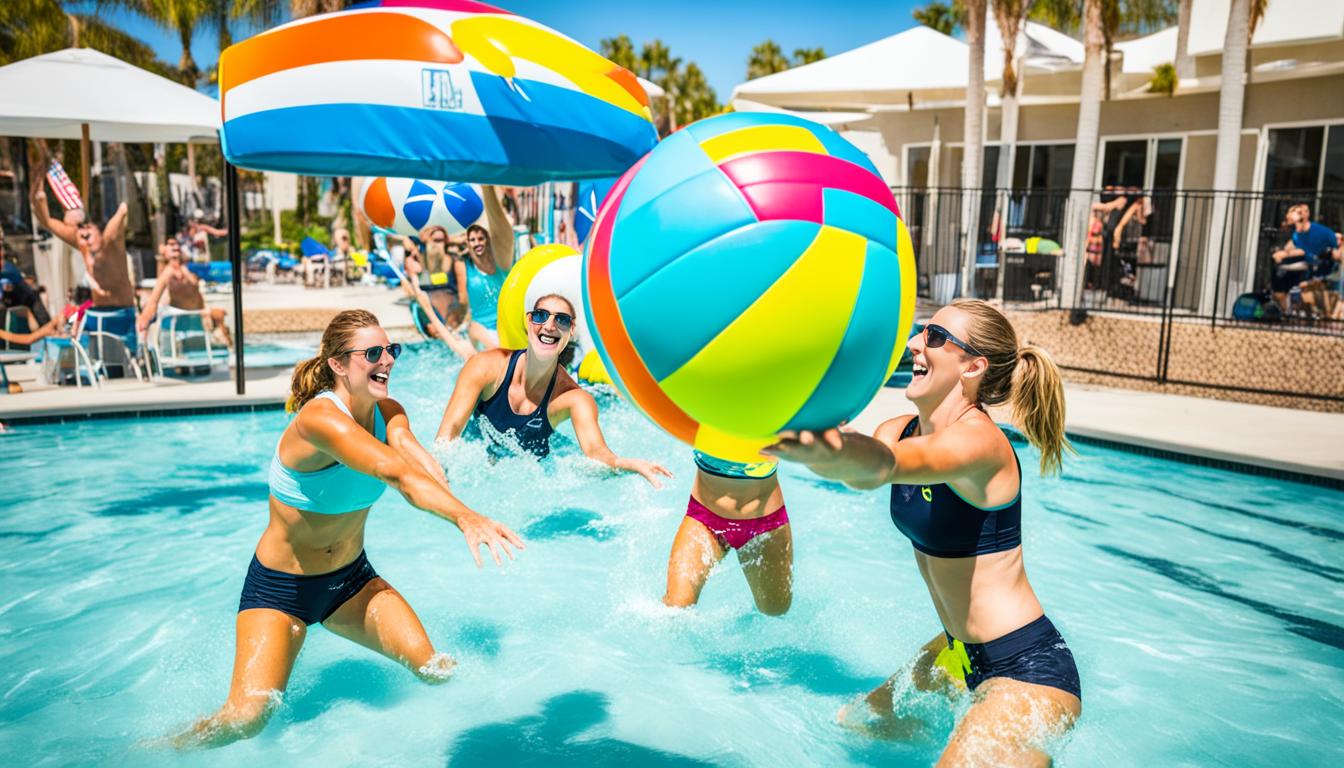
{"type": "Point", "coordinates": [568, 394]}
{"type": "Point", "coordinates": [390, 408]}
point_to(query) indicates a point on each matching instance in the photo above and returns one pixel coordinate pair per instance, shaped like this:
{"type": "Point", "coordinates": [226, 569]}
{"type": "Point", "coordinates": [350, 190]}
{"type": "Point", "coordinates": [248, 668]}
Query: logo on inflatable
{"type": "Point", "coordinates": [437, 90]}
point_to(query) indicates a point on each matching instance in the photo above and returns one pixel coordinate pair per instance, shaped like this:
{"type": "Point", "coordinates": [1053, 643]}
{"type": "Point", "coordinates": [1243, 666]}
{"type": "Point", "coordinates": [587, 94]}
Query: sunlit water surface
{"type": "Point", "coordinates": [1204, 608]}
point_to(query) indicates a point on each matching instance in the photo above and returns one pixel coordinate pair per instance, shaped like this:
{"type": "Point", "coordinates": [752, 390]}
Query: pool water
{"type": "Point", "coordinates": [1204, 608]}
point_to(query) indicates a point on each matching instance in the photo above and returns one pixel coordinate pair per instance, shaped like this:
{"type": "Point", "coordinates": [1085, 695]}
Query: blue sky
{"type": "Point", "coordinates": [716, 35]}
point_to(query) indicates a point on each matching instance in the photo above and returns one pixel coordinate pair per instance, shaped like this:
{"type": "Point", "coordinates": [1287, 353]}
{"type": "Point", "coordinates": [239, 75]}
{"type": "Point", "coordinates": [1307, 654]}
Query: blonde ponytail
{"type": "Point", "coordinates": [1038, 406]}
{"type": "Point", "coordinates": [315, 375]}
{"type": "Point", "coordinates": [1024, 376]}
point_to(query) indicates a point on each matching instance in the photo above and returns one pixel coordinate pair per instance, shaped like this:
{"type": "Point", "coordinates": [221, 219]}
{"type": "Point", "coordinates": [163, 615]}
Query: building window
{"type": "Point", "coordinates": [917, 167]}
{"type": "Point", "coordinates": [1043, 166]}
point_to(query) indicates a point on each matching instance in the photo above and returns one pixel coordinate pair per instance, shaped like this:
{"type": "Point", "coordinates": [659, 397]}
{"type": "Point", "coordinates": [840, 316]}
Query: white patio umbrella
{"type": "Point", "coordinates": [80, 93]}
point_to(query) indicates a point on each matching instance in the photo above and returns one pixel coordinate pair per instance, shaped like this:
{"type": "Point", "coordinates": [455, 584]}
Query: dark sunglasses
{"type": "Point", "coordinates": [562, 321]}
{"type": "Point", "coordinates": [374, 354]}
{"type": "Point", "coordinates": [936, 336]}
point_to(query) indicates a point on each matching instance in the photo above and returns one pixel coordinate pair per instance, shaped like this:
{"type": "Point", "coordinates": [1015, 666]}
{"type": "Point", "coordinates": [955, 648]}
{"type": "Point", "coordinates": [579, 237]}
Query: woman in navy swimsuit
{"type": "Point", "coordinates": [956, 493]}
{"type": "Point", "coordinates": [516, 398]}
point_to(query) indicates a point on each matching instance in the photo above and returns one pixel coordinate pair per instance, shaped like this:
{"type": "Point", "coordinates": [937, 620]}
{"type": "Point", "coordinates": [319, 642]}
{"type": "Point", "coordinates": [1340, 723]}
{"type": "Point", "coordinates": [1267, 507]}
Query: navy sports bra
{"type": "Point", "coordinates": [942, 524]}
{"type": "Point", "coordinates": [533, 430]}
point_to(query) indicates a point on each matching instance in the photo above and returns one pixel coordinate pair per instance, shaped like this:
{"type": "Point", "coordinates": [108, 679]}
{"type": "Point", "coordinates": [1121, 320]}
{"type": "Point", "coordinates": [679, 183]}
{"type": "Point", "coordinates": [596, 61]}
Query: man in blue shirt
{"type": "Point", "coordinates": [1321, 248]}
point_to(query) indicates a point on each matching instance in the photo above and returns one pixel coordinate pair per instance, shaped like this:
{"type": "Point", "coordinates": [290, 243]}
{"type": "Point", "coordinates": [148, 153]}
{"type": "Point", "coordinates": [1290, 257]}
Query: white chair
{"type": "Point", "coordinates": [180, 339]}
{"type": "Point", "coordinates": [105, 335]}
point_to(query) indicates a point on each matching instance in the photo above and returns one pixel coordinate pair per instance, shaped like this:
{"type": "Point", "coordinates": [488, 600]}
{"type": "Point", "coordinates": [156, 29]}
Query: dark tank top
{"type": "Point", "coordinates": [533, 430]}
{"type": "Point", "coordinates": [942, 524]}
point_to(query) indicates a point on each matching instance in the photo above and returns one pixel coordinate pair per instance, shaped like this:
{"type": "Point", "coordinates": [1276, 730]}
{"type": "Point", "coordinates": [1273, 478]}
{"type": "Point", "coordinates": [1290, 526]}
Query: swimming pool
{"type": "Point", "coordinates": [1203, 607]}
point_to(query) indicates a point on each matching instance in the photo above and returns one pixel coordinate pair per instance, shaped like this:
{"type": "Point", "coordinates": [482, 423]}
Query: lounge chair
{"type": "Point", "coordinates": [112, 341]}
{"type": "Point", "coordinates": [180, 339]}
{"type": "Point", "coordinates": [66, 362]}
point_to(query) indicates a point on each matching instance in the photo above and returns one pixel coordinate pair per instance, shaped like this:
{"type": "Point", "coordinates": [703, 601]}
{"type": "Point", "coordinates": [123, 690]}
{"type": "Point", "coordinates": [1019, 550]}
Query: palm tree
{"type": "Point", "coordinates": [766, 58]}
{"type": "Point", "coordinates": [658, 65]}
{"type": "Point", "coordinates": [1185, 63]}
{"type": "Point", "coordinates": [33, 27]}
{"type": "Point", "coordinates": [1231, 100]}
{"type": "Point", "coordinates": [300, 8]}
{"type": "Point", "coordinates": [973, 132]}
{"type": "Point", "coordinates": [620, 51]}
{"type": "Point", "coordinates": [1009, 15]}
{"type": "Point", "coordinates": [695, 98]}
{"type": "Point", "coordinates": [1085, 145]}
{"type": "Point", "coordinates": [803, 56]}
{"type": "Point", "coordinates": [939, 16]}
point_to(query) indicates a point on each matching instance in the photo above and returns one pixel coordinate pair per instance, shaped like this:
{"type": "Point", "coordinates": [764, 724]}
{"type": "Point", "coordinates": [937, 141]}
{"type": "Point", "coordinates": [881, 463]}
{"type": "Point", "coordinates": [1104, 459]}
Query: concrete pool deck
{"type": "Point", "coordinates": [1276, 439]}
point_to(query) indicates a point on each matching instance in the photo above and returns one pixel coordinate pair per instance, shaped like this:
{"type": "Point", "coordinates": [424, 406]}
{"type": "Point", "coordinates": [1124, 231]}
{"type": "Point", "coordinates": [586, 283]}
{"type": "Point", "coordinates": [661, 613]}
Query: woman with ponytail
{"type": "Point", "coordinates": [346, 444]}
{"type": "Point", "coordinates": [956, 492]}
{"type": "Point", "coordinates": [516, 398]}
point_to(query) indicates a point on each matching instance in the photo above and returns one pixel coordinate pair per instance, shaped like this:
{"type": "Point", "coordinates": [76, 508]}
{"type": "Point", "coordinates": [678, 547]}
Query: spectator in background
{"type": "Point", "coordinates": [1318, 245]}
{"type": "Point", "coordinates": [18, 293]}
{"type": "Point", "coordinates": [199, 234]}
{"type": "Point", "coordinates": [1289, 269]}
{"type": "Point", "coordinates": [184, 292]}
{"type": "Point", "coordinates": [104, 252]}
{"type": "Point", "coordinates": [1109, 208]}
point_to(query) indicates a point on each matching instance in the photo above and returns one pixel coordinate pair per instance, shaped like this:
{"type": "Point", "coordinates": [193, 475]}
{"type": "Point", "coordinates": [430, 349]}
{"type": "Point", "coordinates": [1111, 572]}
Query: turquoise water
{"type": "Point", "coordinates": [1204, 608]}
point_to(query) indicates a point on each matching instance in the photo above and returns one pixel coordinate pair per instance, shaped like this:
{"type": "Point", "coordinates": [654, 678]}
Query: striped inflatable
{"type": "Point", "coordinates": [745, 277]}
{"type": "Point", "coordinates": [447, 89]}
{"type": "Point", "coordinates": [407, 206]}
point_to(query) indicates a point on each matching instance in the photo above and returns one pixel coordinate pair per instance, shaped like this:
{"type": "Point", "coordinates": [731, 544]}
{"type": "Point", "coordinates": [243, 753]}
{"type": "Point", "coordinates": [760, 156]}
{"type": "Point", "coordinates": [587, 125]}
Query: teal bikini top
{"type": "Point", "coordinates": [483, 294]}
{"type": "Point", "coordinates": [332, 491]}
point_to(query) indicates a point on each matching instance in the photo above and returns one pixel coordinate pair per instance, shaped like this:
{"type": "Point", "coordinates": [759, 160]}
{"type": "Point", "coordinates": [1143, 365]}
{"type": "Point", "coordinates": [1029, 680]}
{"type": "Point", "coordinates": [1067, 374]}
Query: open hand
{"type": "Point", "coordinates": [646, 469]}
{"type": "Point", "coordinates": [806, 446]}
{"type": "Point", "coordinates": [479, 529]}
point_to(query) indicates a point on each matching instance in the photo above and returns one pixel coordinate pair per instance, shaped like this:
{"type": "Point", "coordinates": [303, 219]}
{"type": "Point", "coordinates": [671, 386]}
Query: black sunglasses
{"type": "Point", "coordinates": [936, 336]}
{"type": "Point", "coordinates": [562, 321]}
{"type": "Point", "coordinates": [374, 354]}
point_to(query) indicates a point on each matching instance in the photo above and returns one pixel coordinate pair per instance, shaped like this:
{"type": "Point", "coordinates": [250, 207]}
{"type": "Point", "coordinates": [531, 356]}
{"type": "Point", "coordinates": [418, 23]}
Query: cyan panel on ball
{"type": "Point", "coordinates": [856, 213]}
{"type": "Point", "coordinates": [859, 367]}
{"type": "Point", "coordinates": [684, 217]}
{"type": "Point", "coordinates": [677, 159]}
{"type": "Point", "coordinates": [713, 285]}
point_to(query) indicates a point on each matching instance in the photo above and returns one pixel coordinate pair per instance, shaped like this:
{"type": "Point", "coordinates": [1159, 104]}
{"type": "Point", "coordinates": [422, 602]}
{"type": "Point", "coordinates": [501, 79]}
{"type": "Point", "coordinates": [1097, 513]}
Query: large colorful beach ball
{"type": "Point", "coordinates": [745, 277]}
{"type": "Point", "coordinates": [544, 270]}
{"type": "Point", "coordinates": [407, 206]}
{"type": "Point", "coordinates": [445, 89]}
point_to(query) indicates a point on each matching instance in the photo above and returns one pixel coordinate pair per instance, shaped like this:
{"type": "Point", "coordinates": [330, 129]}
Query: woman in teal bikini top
{"type": "Point", "coordinates": [347, 443]}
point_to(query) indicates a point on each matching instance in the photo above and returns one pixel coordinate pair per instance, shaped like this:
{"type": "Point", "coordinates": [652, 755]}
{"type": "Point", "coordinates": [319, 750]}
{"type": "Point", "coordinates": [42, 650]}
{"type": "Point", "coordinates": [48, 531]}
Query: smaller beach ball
{"type": "Point", "coordinates": [746, 277]}
{"type": "Point", "coordinates": [407, 206]}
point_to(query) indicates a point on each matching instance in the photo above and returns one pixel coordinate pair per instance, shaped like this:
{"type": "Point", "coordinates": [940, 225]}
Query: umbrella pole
{"type": "Point", "coordinates": [84, 169]}
{"type": "Point", "coordinates": [236, 266]}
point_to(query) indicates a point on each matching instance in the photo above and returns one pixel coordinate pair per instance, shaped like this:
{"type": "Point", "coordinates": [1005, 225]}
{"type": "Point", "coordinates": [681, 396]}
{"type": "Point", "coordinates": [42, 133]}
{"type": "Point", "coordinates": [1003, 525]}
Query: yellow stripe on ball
{"type": "Point", "coordinates": [777, 334]}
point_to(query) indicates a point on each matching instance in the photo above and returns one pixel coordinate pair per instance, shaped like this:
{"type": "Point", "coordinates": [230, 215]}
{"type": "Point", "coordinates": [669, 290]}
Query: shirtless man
{"type": "Point", "coordinates": [104, 252]}
{"type": "Point", "coordinates": [184, 292]}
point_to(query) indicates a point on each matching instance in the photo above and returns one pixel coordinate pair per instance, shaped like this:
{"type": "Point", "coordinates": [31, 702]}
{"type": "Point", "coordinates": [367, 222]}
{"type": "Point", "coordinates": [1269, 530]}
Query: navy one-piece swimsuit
{"type": "Point", "coordinates": [533, 430]}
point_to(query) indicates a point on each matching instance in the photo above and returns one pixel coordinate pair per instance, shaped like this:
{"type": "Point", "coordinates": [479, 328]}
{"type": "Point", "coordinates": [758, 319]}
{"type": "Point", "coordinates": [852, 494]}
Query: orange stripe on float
{"type": "Point", "coordinates": [378, 204]}
{"type": "Point", "coordinates": [339, 38]}
{"type": "Point", "coordinates": [626, 79]}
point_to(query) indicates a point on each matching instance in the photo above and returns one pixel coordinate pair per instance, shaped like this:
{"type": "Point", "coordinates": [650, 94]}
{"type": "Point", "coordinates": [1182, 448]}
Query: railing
{"type": "Point", "coordinates": [1177, 280]}
{"type": "Point", "coordinates": [1190, 254]}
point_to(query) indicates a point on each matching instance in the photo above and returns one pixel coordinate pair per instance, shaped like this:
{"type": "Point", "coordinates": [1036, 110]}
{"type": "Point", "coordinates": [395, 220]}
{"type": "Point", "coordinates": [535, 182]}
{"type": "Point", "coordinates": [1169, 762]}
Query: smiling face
{"type": "Point", "coordinates": [362, 378]}
{"type": "Point", "coordinates": [547, 340]}
{"type": "Point", "coordinates": [477, 240]}
{"type": "Point", "coordinates": [941, 371]}
{"type": "Point", "coordinates": [172, 250]}
{"type": "Point", "coordinates": [91, 236]}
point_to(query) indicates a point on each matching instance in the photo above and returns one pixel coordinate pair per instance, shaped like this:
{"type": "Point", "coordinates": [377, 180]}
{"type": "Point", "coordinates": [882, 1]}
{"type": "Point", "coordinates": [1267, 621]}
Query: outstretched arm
{"type": "Point", "coordinates": [329, 430]}
{"type": "Point", "coordinates": [152, 305]}
{"type": "Point", "coordinates": [864, 463]}
{"type": "Point", "coordinates": [116, 226]}
{"type": "Point", "coordinates": [501, 231]}
{"type": "Point", "coordinates": [55, 226]}
{"type": "Point", "coordinates": [479, 371]}
{"type": "Point", "coordinates": [583, 412]}
{"type": "Point", "coordinates": [403, 441]}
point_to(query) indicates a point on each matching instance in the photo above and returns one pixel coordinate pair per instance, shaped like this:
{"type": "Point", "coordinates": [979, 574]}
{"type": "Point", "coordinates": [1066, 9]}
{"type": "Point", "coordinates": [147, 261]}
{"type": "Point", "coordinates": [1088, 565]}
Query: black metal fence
{"type": "Point", "coordinates": [1179, 258]}
{"type": "Point", "coordinates": [1188, 253]}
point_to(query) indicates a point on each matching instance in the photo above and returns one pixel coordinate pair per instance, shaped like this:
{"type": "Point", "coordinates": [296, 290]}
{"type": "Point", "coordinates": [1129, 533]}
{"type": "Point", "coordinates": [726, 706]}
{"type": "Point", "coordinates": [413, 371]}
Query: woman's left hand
{"type": "Point", "coordinates": [647, 469]}
{"type": "Point", "coordinates": [806, 446]}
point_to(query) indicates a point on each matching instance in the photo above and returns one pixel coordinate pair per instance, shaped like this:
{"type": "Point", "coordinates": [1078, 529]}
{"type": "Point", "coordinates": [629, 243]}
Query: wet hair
{"type": "Point", "coordinates": [566, 354]}
{"type": "Point", "coordinates": [315, 374]}
{"type": "Point", "coordinates": [1024, 376]}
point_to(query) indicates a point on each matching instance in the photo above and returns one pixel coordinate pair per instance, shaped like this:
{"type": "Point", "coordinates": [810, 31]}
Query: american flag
{"type": "Point", "coordinates": [64, 189]}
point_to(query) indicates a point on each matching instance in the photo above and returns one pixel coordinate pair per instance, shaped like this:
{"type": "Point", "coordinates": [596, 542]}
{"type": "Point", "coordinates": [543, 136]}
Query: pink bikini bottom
{"type": "Point", "coordinates": [733, 534]}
